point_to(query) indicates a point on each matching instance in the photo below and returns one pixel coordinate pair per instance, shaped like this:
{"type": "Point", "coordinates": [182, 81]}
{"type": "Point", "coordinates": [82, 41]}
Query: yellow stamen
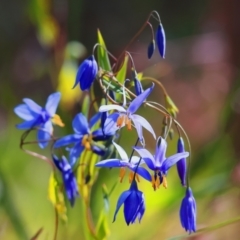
{"type": "Point", "coordinates": [57, 120]}
{"type": "Point", "coordinates": [130, 177]}
{"type": "Point", "coordinates": [164, 181]}
{"type": "Point", "coordinates": [155, 181]}
{"type": "Point", "coordinates": [137, 177]}
{"type": "Point", "coordinates": [86, 141]}
{"type": "Point", "coordinates": [122, 173]}
{"type": "Point", "coordinates": [128, 123]}
{"type": "Point", "coordinates": [120, 120]}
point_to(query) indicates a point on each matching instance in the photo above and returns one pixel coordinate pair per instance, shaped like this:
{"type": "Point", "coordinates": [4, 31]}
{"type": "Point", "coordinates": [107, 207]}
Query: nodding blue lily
{"type": "Point", "coordinates": [86, 73]}
{"type": "Point", "coordinates": [124, 117]}
{"type": "Point", "coordinates": [188, 212]}
{"type": "Point", "coordinates": [69, 180]}
{"type": "Point", "coordinates": [161, 40]}
{"type": "Point", "coordinates": [39, 117]}
{"type": "Point", "coordinates": [182, 163]}
{"type": "Point", "coordinates": [158, 162]}
{"type": "Point", "coordinates": [124, 163]}
{"type": "Point", "coordinates": [134, 204]}
{"type": "Point", "coordinates": [83, 138]}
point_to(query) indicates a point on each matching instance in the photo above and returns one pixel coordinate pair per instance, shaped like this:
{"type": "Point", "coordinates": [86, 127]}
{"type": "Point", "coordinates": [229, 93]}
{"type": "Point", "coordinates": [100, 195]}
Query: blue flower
{"type": "Point", "coordinates": [134, 204]}
{"type": "Point", "coordinates": [188, 212]}
{"type": "Point", "coordinates": [182, 163]}
{"type": "Point", "coordinates": [124, 163]}
{"type": "Point", "coordinates": [83, 138]}
{"type": "Point", "coordinates": [161, 40]}
{"type": "Point", "coordinates": [124, 117]}
{"type": "Point", "coordinates": [69, 180]}
{"type": "Point", "coordinates": [42, 118]}
{"type": "Point", "coordinates": [86, 73]}
{"type": "Point", "coordinates": [159, 163]}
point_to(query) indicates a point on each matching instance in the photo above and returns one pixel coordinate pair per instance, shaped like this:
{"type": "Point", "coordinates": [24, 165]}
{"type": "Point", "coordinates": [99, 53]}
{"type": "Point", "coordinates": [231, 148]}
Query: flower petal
{"type": "Point", "coordinates": [147, 157]}
{"type": "Point", "coordinates": [160, 153]}
{"type": "Point", "coordinates": [105, 108]}
{"type": "Point", "coordinates": [121, 200]}
{"type": "Point", "coordinates": [80, 124]}
{"type": "Point", "coordinates": [98, 135]}
{"type": "Point", "coordinates": [143, 122]}
{"type": "Point", "coordinates": [161, 40]}
{"type": "Point", "coordinates": [111, 163]}
{"type": "Point", "coordinates": [121, 151]}
{"type": "Point", "coordinates": [44, 134]}
{"type": "Point", "coordinates": [131, 205]}
{"type": "Point", "coordinates": [94, 119]}
{"type": "Point", "coordinates": [24, 112]}
{"type": "Point", "coordinates": [137, 102]}
{"type": "Point", "coordinates": [110, 125]}
{"type": "Point", "coordinates": [98, 150]}
{"type": "Point", "coordinates": [28, 124]}
{"type": "Point", "coordinates": [135, 160]}
{"type": "Point", "coordinates": [142, 172]}
{"type": "Point", "coordinates": [75, 153]}
{"type": "Point", "coordinates": [32, 105]}
{"type": "Point", "coordinates": [170, 161]}
{"type": "Point", "coordinates": [69, 139]}
{"type": "Point", "coordinates": [52, 103]}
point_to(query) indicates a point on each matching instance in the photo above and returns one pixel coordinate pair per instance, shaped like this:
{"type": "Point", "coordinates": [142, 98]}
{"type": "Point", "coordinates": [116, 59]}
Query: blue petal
{"type": "Point", "coordinates": [111, 163]}
{"type": "Point", "coordinates": [24, 112]}
{"type": "Point", "coordinates": [52, 103]}
{"type": "Point", "coordinates": [80, 124]}
{"type": "Point", "coordinates": [86, 74]}
{"type": "Point", "coordinates": [160, 152]}
{"type": "Point", "coordinates": [98, 150]}
{"type": "Point", "coordinates": [161, 40]}
{"type": "Point", "coordinates": [151, 49]}
{"type": "Point", "coordinates": [142, 172]}
{"type": "Point", "coordinates": [75, 153]}
{"type": "Point", "coordinates": [147, 157]}
{"type": "Point", "coordinates": [58, 163]}
{"type": "Point", "coordinates": [28, 124]}
{"type": "Point", "coordinates": [32, 105]}
{"type": "Point", "coordinates": [170, 161]}
{"type": "Point", "coordinates": [69, 139]}
{"type": "Point", "coordinates": [98, 135]}
{"type": "Point", "coordinates": [182, 163]}
{"type": "Point", "coordinates": [137, 102]}
{"type": "Point", "coordinates": [131, 205]}
{"type": "Point", "coordinates": [121, 200]}
{"type": "Point", "coordinates": [44, 134]}
{"type": "Point", "coordinates": [110, 126]}
{"type": "Point", "coordinates": [94, 119]}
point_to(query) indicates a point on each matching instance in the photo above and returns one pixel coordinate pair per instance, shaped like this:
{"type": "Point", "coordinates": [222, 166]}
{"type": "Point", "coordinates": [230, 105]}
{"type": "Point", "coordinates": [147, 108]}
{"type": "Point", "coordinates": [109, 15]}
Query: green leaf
{"type": "Point", "coordinates": [102, 55]}
{"type": "Point", "coordinates": [121, 75]}
{"type": "Point", "coordinates": [86, 105]}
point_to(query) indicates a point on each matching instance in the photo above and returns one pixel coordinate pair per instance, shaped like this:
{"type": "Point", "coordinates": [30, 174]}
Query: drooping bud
{"type": "Point", "coordinates": [151, 48]}
{"type": "Point", "coordinates": [137, 83]}
{"type": "Point", "coordinates": [161, 40]}
{"type": "Point", "coordinates": [181, 164]}
{"type": "Point", "coordinates": [86, 73]}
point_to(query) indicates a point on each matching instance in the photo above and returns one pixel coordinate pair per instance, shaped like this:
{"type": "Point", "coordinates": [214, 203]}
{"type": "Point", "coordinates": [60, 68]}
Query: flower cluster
{"type": "Point", "coordinates": [95, 141]}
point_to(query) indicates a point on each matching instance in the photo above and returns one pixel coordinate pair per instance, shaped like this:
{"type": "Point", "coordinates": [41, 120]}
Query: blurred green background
{"type": "Point", "coordinates": [41, 44]}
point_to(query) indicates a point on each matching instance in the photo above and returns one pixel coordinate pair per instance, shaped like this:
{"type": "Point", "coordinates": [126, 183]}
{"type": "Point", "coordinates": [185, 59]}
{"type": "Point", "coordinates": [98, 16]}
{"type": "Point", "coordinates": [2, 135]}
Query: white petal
{"type": "Point", "coordinates": [106, 108]}
{"type": "Point", "coordinates": [121, 151]}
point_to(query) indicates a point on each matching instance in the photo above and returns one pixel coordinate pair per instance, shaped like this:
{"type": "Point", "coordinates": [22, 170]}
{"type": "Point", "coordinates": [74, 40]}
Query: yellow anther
{"type": "Point", "coordinates": [130, 177]}
{"type": "Point", "coordinates": [122, 173]}
{"type": "Point", "coordinates": [164, 181]}
{"type": "Point", "coordinates": [137, 177]}
{"type": "Point", "coordinates": [120, 120]}
{"type": "Point", "coordinates": [128, 123]}
{"type": "Point", "coordinates": [86, 141]}
{"type": "Point", "coordinates": [155, 182]}
{"type": "Point", "coordinates": [57, 120]}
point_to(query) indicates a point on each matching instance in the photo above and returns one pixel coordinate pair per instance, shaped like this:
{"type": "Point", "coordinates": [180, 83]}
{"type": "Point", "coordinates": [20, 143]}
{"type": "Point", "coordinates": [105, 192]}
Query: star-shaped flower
{"type": "Point", "coordinates": [124, 163]}
{"type": "Point", "coordinates": [134, 204]}
{"type": "Point", "coordinates": [158, 162]}
{"type": "Point", "coordinates": [36, 116]}
{"type": "Point", "coordinates": [124, 117]}
{"type": "Point", "coordinates": [83, 138]}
